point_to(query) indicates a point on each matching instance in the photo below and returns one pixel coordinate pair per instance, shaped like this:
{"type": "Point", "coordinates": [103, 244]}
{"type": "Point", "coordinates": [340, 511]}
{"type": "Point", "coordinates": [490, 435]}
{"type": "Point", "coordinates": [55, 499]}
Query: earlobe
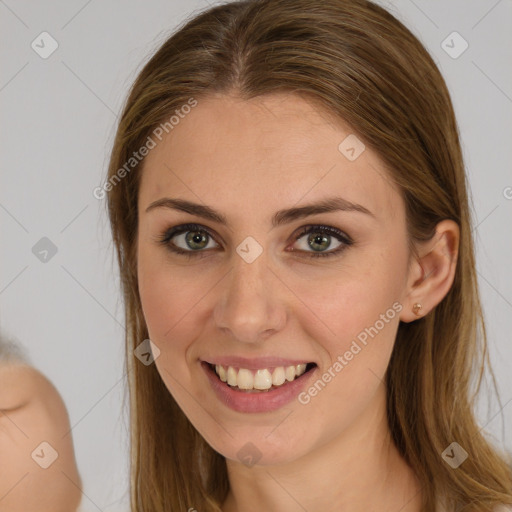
{"type": "Point", "coordinates": [433, 271]}
{"type": "Point", "coordinates": [416, 309]}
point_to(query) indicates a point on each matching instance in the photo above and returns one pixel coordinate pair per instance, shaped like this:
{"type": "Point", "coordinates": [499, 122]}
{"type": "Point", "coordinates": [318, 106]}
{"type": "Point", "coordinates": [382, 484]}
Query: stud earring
{"type": "Point", "coordinates": [417, 308]}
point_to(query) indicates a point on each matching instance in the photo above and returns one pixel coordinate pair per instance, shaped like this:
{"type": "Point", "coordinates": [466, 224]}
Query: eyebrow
{"type": "Point", "coordinates": [286, 216]}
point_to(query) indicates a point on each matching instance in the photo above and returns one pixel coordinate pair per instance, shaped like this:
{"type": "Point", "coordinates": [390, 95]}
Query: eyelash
{"type": "Point", "coordinates": [184, 228]}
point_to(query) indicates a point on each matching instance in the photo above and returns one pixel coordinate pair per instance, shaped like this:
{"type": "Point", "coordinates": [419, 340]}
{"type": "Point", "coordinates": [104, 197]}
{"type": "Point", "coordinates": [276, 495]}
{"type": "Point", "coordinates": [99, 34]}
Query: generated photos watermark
{"type": "Point", "coordinates": [137, 156]}
{"type": "Point", "coordinates": [355, 348]}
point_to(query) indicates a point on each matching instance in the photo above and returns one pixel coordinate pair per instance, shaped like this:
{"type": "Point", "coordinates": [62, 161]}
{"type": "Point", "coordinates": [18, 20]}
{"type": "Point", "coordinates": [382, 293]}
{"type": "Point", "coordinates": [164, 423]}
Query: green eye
{"type": "Point", "coordinates": [320, 239]}
{"type": "Point", "coordinates": [196, 239]}
{"type": "Point", "coordinates": [190, 240]}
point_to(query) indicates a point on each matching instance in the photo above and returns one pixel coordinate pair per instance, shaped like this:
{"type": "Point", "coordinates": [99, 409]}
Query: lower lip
{"type": "Point", "coordinates": [263, 401]}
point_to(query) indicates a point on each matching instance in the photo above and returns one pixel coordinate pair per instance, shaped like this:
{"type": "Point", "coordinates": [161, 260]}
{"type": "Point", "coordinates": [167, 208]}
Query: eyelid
{"type": "Point", "coordinates": [322, 228]}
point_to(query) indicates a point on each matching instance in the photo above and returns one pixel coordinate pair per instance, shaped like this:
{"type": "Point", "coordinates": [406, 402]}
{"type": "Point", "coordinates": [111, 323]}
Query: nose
{"type": "Point", "coordinates": [251, 306]}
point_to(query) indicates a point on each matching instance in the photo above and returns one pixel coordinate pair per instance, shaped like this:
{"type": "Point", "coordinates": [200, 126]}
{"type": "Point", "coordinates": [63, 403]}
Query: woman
{"type": "Point", "coordinates": [289, 208]}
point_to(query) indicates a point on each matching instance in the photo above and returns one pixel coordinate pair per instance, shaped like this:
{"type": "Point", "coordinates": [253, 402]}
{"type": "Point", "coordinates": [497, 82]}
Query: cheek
{"type": "Point", "coordinates": [173, 299]}
{"type": "Point", "coordinates": [362, 297]}
{"type": "Point", "coordinates": [356, 320]}
{"type": "Point", "coordinates": [168, 294]}
{"type": "Point", "coordinates": [169, 304]}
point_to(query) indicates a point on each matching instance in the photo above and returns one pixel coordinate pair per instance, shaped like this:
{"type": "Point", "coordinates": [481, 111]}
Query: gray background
{"type": "Point", "coordinates": [58, 121]}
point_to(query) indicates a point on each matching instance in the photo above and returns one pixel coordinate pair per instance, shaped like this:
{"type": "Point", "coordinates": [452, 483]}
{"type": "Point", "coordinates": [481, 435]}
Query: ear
{"type": "Point", "coordinates": [432, 271]}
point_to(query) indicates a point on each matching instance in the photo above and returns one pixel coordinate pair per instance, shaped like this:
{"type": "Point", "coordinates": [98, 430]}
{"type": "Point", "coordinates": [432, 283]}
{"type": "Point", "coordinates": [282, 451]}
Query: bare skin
{"type": "Point", "coordinates": [32, 412]}
{"type": "Point", "coordinates": [248, 160]}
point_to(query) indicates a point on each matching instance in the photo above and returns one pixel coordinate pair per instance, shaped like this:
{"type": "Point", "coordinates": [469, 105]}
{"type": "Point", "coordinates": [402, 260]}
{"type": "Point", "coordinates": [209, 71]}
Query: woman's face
{"type": "Point", "coordinates": [254, 290]}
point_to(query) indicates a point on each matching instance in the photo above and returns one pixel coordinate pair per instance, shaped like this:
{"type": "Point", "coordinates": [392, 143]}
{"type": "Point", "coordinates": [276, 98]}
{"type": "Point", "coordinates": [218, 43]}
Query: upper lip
{"type": "Point", "coordinates": [254, 363]}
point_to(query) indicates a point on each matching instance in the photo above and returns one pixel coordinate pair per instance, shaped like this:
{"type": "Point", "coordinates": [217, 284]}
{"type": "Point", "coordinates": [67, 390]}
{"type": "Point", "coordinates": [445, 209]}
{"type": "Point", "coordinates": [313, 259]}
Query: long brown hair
{"type": "Point", "coordinates": [359, 63]}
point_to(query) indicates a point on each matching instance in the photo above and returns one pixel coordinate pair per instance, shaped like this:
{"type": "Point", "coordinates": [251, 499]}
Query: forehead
{"type": "Point", "coordinates": [264, 153]}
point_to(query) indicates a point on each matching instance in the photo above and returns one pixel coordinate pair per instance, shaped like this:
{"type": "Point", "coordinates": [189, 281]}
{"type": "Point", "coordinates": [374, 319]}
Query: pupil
{"type": "Point", "coordinates": [195, 238]}
{"type": "Point", "coordinates": [317, 240]}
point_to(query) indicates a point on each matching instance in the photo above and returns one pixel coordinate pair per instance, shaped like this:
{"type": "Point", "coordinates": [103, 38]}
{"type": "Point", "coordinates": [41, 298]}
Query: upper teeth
{"type": "Point", "coordinates": [260, 379]}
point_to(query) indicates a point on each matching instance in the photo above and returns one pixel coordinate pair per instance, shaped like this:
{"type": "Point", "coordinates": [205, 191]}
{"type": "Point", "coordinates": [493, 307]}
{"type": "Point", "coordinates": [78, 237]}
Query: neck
{"type": "Point", "coordinates": [358, 470]}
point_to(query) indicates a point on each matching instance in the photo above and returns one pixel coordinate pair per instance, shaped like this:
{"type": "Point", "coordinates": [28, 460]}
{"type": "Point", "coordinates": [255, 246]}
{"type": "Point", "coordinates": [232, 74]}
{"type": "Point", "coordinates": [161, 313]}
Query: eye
{"type": "Point", "coordinates": [190, 240]}
{"type": "Point", "coordinates": [187, 239]}
{"type": "Point", "coordinates": [320, 239]}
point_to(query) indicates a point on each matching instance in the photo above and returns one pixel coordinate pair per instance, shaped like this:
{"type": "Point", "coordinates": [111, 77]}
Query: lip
{"type": "Point", "coordinates": [257, 363]}
{"type": "Point", "coordinates": [265, 401]}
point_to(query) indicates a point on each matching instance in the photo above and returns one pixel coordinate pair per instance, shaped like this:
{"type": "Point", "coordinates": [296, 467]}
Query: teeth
{"type": "Point", "coordinates": [221, 372]}
{"type": "Point", "coordinates": [231, 376]}
{"type": "Point", "coordinates": [289, 373]}
{"type": "Point", "coordinates": [262, 379]}
{"type": "Point", "coordinates": [278, 376]}
{"type": "Point", "coordinates": [245, 379]}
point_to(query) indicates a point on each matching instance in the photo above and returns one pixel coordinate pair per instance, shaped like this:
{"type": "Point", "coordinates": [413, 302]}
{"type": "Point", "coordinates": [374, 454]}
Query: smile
{"type": "Point", "coordinates": [263, 387]}
{"type": "Point", "coordinates": [264, 379]}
